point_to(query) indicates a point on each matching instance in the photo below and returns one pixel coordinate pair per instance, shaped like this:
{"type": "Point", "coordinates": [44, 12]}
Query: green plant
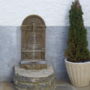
{"type": "Point", "coordinates": [77, 50]}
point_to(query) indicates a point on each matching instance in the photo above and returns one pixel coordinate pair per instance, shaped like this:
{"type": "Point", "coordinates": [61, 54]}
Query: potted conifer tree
{"type": "Point", "coordinates": [77, 54]}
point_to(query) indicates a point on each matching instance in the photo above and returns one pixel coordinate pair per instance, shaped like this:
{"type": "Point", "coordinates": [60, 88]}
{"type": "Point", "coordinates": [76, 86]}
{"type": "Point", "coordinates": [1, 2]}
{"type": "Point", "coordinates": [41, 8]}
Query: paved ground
{"type": "Point", "coordinates": [68, 86]}
{"type": "Point", "coordinates": [60, 86]}
{"type": "Point", "coordinates": [6, 86]}
{"type": "Point", "coordinates": [71, 88]}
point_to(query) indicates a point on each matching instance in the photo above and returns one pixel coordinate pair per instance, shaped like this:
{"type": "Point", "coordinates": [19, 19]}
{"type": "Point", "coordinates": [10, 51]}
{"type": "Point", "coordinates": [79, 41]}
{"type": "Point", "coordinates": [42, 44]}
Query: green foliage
{"type": "Point", "coordinates": [77, 50]}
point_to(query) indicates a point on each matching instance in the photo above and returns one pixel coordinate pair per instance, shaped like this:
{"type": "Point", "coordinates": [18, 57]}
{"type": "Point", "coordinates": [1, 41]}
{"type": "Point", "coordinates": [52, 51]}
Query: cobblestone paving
{"type": "Point", "coordinates": [59, 86]}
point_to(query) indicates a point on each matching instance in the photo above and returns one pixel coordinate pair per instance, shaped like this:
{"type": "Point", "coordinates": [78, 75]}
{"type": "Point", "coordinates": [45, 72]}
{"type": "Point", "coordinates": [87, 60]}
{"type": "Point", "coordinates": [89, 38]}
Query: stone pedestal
{"type": "Point", "coordinates": [42, 79]}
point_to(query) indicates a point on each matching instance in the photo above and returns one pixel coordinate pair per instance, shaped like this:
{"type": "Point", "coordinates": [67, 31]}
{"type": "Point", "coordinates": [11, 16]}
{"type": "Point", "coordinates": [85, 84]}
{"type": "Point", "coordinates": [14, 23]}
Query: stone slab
{"type": "Point", "coordinates": [34, 73]}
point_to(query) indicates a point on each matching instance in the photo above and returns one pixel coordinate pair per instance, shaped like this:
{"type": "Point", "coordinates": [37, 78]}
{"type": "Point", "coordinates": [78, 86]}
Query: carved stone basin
{"type": "Point", "coordinates": [28, 79]}
{"type": "Point", "coordinates": [33, 65]}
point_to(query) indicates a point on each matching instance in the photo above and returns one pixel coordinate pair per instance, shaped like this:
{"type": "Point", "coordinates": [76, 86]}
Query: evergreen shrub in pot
{"type": "Point", "coordinates": [77, 54]}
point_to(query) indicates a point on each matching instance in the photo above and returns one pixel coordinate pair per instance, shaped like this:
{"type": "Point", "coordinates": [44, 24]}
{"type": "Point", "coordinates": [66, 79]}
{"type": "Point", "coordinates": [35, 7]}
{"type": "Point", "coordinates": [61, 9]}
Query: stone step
{"type": "Point", "coordinates": [39, 85]}
{"type": "Point", "coordinates": [29, 79]}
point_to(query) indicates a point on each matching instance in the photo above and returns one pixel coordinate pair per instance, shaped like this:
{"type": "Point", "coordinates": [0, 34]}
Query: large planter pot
{"type": "Point", "coordinates": [79, 73]}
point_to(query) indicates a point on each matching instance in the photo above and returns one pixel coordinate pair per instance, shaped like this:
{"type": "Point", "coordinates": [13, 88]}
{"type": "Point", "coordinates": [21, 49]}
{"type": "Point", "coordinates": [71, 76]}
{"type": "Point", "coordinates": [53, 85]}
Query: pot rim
{"type": "Point", "coordinates": [76, 62]}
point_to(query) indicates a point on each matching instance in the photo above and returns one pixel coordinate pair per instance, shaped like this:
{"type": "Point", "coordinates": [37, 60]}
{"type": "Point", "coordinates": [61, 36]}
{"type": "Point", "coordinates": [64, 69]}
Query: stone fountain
{"type": "Point", "coordinates": [33, 73]}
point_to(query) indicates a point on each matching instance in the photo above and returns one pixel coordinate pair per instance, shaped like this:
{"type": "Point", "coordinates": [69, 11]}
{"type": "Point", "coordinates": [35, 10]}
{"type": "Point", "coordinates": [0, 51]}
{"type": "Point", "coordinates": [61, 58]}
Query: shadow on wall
{"type": "Point", "coordinates": [10, 51]}
{"type": "Point", "coordinates": [56, 40]}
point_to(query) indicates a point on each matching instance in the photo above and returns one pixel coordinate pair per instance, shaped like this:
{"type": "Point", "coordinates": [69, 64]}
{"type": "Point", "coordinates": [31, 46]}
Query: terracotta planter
{"type": "Point", "coordinates": [79, 73]}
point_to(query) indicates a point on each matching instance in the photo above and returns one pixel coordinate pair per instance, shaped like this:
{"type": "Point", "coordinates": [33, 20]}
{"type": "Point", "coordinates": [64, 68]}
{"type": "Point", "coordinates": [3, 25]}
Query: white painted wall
{"type": "Point", "coordinates": [54, 12]}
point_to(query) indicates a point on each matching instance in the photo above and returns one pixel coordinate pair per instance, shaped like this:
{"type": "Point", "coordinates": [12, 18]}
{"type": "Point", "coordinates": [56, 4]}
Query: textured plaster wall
{"type": "Point", "coordinates": [9, 51]}
{"type": "Point", "coordinates": [54, 12]}
{"type": "Point", "coordinates": [56, 42]}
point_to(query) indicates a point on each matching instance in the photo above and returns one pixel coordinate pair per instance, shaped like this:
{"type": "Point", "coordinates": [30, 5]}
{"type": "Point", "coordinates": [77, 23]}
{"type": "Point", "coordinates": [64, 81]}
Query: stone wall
{"type": "Point", "coordinates": [10, 50]}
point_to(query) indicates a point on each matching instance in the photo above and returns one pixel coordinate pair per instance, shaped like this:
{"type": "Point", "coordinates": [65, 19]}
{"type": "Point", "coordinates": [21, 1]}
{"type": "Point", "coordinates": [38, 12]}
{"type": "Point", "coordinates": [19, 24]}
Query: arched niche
{"type": "Point", "coordinates": [33, 38]}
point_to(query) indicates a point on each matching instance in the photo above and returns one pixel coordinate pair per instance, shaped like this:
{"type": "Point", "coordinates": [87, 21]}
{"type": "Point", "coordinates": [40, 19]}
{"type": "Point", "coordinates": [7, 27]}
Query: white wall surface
{"type": "Point", "coordinates": [54, 12]}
